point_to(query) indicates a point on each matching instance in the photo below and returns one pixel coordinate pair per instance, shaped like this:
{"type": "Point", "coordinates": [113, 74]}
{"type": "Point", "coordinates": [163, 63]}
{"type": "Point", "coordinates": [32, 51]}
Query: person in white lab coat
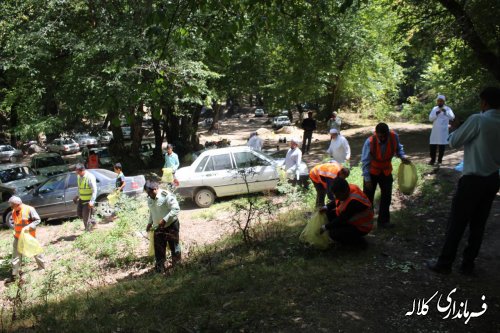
{"type": "Point", "coordinates": [339, 149]}
{"type": "Point", "coordinates": [255, 142]}
{"type": "Point", "coordinates": [440, 116]}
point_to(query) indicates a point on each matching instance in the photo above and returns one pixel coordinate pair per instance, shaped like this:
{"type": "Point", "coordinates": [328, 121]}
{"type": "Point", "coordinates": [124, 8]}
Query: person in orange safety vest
{"type": "Point", "coordinates": [322, 176]}
{"type": "Point", "coordinates": [352, 218]}
{"type": "Point", "coordinates": [24, 219]}
{"type": "Point", "coordinates": [93, 160]}
{"type": "Point", "coordinates": [376, 159]}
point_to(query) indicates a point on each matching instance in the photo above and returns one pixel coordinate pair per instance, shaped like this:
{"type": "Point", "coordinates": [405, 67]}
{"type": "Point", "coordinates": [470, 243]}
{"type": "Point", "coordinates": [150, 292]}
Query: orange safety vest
{"type": "Point", "coordinates": [363, 221]}
{"type": "Point", "coordinates": [327, 170]}
{"type": "Point", "coordinates": [93, 162]}
{"type": "Point", "coordinates": [21, 219]}
{"type": "Point", "coordinates": [378, 162]}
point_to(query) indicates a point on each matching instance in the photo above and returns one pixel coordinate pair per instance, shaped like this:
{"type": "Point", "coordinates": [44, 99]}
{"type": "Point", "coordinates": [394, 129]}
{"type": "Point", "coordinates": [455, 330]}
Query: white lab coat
{"type": "Point", "coordinates": [255, 143]}
{"type": "Point", "coordinates": [292, 163]}
{"type": "Point", "coordinates": [339, 149]}
{"type": "Point", "coordinates": [439, 133]}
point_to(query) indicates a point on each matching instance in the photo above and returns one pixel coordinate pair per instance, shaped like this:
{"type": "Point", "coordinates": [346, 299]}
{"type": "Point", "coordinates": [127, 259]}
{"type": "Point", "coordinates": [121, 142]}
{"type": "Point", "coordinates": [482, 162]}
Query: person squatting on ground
{"type": "Point", "coordinates": [440, 116]}
{"type": "Point", "coordinates": [309, 126]}
{"type": "Point", "coordinates": [339, 149]}
{"type": "Point", "coordinates": [478, 186]}
{"type": "Point", "coordinates": [323, 176]}
{"type": "Point", "coordinates": [87, 193]}
{"type": "Point", "coordinates": [163, 220]}
{"type": "Point", "coordinates": [351, 218]}
{"type": "Point", "coordinates": [25, 219]}
{"type": "Point", "coordinates": [376, 157]}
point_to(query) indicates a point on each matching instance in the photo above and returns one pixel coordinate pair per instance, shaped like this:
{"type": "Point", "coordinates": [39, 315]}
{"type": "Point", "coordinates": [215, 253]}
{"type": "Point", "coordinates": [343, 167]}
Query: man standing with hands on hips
{"type": "Point", "coordinates": [441, 115]}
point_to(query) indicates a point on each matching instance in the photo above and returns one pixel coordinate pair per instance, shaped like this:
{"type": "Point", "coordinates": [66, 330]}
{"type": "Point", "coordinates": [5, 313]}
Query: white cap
{"type": "Point", "coordinates": [441, 97]}
{"type": "Point", "coordinates": [15, 200]}
{"type": "Point", "coordinates": [334, 131]}
{"type": "Point", "coordinates": [295, 140]}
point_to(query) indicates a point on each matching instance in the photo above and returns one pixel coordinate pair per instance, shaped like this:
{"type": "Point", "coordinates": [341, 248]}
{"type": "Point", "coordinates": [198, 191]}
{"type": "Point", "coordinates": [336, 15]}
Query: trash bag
{"type": "Point", "coordinates": [311, 234]}
{"type": "Point", "coordinates": [151, 250]}
{"type": "Point", "coordinates": [113, 198]}
{"type": "Point", "coordinates": [460, 166]}
{"type": "Point", "coordinates": [28, 245]}
{"type": "Point", "coordinates": [407, 178]}
{"type": "Point", "coordinates": [168, 175]}
{"type": "Point", "coordinates": [282, 175]}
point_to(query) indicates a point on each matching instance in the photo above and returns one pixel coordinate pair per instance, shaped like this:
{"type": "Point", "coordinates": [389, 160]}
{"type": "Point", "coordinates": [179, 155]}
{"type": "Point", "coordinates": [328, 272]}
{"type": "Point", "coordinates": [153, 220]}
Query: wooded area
{"type": "Point", "coordinates": [101, 61]}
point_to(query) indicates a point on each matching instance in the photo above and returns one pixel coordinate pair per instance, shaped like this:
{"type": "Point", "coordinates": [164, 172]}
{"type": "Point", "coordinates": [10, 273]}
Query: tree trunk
{"type": "Point", "coordinates": [484, 54]}
{"type": "Point", "coordinates": [136, 131]}
{"type": "Point", "coordinates": [157, 152]}
{"type": "Point", "coordinates": [13, 124]}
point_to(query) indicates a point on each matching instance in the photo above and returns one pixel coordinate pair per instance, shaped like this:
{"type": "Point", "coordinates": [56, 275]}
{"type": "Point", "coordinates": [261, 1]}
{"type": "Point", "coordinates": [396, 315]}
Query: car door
{"type": "Point", "coordinates": [48, 199]}
{"type": "Point", "coordinates": [70, 192]}
{"type": "Point", "coordinates": [220, 175]}
{"type": "Point", "coordinates": [259, 172]}
{"type": "Point", "coordinates": [3, 153]}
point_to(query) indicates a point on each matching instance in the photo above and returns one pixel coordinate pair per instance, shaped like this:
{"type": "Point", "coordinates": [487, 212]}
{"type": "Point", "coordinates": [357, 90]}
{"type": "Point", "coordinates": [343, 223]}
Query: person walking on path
{"type": "Point", "coordinates": [25, 219]}
{"type": "Point", "coordinates": [171, 159]}
{"type": "Point", "coordinates": [87, 193]}
{"type": "Point", "coordinates": [309, 126]}
{"type": "Point", "coordinates": [478, 186]}
{"type": "Point", "coordinates": [334, 122]}
{"type": "Point", "coordinates": [440, 116]}
{"type": "Point", "coordinates": [378, 151]}
{"type": "Point", "coordinates": [339, 149]}
{"type": "Point", "coordinates": [163, 220]}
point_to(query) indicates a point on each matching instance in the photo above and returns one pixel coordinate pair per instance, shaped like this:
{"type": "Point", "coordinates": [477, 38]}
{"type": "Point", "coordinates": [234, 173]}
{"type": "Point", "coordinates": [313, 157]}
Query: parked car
{"type": "Point", "coordinates": [127, 132]}
{"type": "Point", "coordinates": [86, 140]}
{"type": "Point", "coordinates": [16, 179]}
{"type": "Point", "coordinates": [48, 164]}
{"type": "Point", "coordinates": [259, 113]}
{"type": "Point", "coordinates": [104, 137]}
{"type": "Point", "coordinates": [281, 121]}
{"type": "Point", "coordinates": [10, 154]}
{"type": "Point", "coordinates": [63, 146]}
{"type": "Point", "coordinates": [222, 172]}
{"type": "Point", "coordinates": [54, 197]}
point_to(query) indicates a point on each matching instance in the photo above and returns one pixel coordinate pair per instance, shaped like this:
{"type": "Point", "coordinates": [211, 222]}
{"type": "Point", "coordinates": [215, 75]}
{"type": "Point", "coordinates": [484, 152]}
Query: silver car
{"type": "Point", "coordinates": [10, 154]}
{"type": "Point", "coordinates": [229, 171]}
{"type": "Point", "coordinates": [16, 179]}
{"type": "Point", "coordinates": [48, 164]}
{"type": "Point", "coordinates": [54, 197]}
{"type": "Point", "coordinates": [86, 140]}
{"type": "Point", "coordinates": [64, 146]}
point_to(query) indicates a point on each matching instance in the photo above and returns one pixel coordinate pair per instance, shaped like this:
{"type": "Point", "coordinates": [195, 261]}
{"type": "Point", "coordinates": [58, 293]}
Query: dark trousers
{"type": "Point", "coordinates": [320, 194]}
{"type": "Point", "coordinates": [385, 183]}
{"type": "Point", "coordinates": [471, 206]}
{"type": "Point", "coordinates": [433, 153]}
{"type": "Point", "coordinates": [345, 233]}
{"type": "Point", "coordinates": [164, 236]}
{"type": "Point", "coordinates": [307, 137]}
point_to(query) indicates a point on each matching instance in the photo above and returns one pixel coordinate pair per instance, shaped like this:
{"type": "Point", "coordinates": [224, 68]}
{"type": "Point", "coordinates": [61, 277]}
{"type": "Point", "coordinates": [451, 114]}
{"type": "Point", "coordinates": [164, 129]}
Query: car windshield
{"type": "Point", "coordinates": [68, 141]}
{"type": "Point", "coordinates": [6, 148]}
{"type": "Point", "coordinates": [15, 173]}
{"type": "Point", "coordinates": [105, 173]}
{"type": "Point", "coordinates": [49, 161]}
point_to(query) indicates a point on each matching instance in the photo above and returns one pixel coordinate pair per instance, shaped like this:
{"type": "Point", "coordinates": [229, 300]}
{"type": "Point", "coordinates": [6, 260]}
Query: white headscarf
{"type": "Point", "coordinates": [441, 97]}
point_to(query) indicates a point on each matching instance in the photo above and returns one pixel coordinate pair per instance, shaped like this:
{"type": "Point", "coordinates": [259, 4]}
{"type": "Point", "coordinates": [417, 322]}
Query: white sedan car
{"type": "Point", "coordinates": [228, 171]}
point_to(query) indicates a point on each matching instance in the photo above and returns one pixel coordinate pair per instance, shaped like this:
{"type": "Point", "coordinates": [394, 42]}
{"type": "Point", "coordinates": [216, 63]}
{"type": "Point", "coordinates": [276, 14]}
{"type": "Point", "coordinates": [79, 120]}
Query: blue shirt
{"type": "Point", "coordinates": [172, 161]}
{"type": "Point", "coordinates": [480, 136]}
{"type": "Point", "coordinates": [366, 157]}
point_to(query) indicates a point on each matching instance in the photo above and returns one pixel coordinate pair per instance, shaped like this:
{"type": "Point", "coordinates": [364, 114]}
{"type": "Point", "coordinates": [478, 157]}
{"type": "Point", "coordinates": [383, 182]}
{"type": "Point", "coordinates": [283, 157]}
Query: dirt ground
{"type": "Point", "coordinates": [195, 230]}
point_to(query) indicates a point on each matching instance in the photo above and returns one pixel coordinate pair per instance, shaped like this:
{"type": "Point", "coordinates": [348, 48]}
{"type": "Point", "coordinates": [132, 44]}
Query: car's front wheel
{"type": "Point", "coordinates": [13, 159]}
{"type": "Point", "coordinates": [204, 198]}
{"type": "Point", "coordinates": [7, 219]}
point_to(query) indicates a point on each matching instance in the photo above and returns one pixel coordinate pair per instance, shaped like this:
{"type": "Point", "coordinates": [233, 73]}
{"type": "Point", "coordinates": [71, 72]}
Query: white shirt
{"type": "Point", "coordinates": [439, 133]}
{"type": "Point", "coordinates": [339, 149]}
{"type": "Point", "coordinates": [292, 162]}
{"type": "Point", "coordinates": [255, 143]}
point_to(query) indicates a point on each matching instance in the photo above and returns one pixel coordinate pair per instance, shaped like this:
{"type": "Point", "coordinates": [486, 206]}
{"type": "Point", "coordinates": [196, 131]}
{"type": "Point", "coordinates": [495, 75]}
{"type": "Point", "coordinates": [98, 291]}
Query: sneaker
{"type": "Point", "coordinates": [431, 163]}
{"type": "Point", "coordinates": [437, 268]}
